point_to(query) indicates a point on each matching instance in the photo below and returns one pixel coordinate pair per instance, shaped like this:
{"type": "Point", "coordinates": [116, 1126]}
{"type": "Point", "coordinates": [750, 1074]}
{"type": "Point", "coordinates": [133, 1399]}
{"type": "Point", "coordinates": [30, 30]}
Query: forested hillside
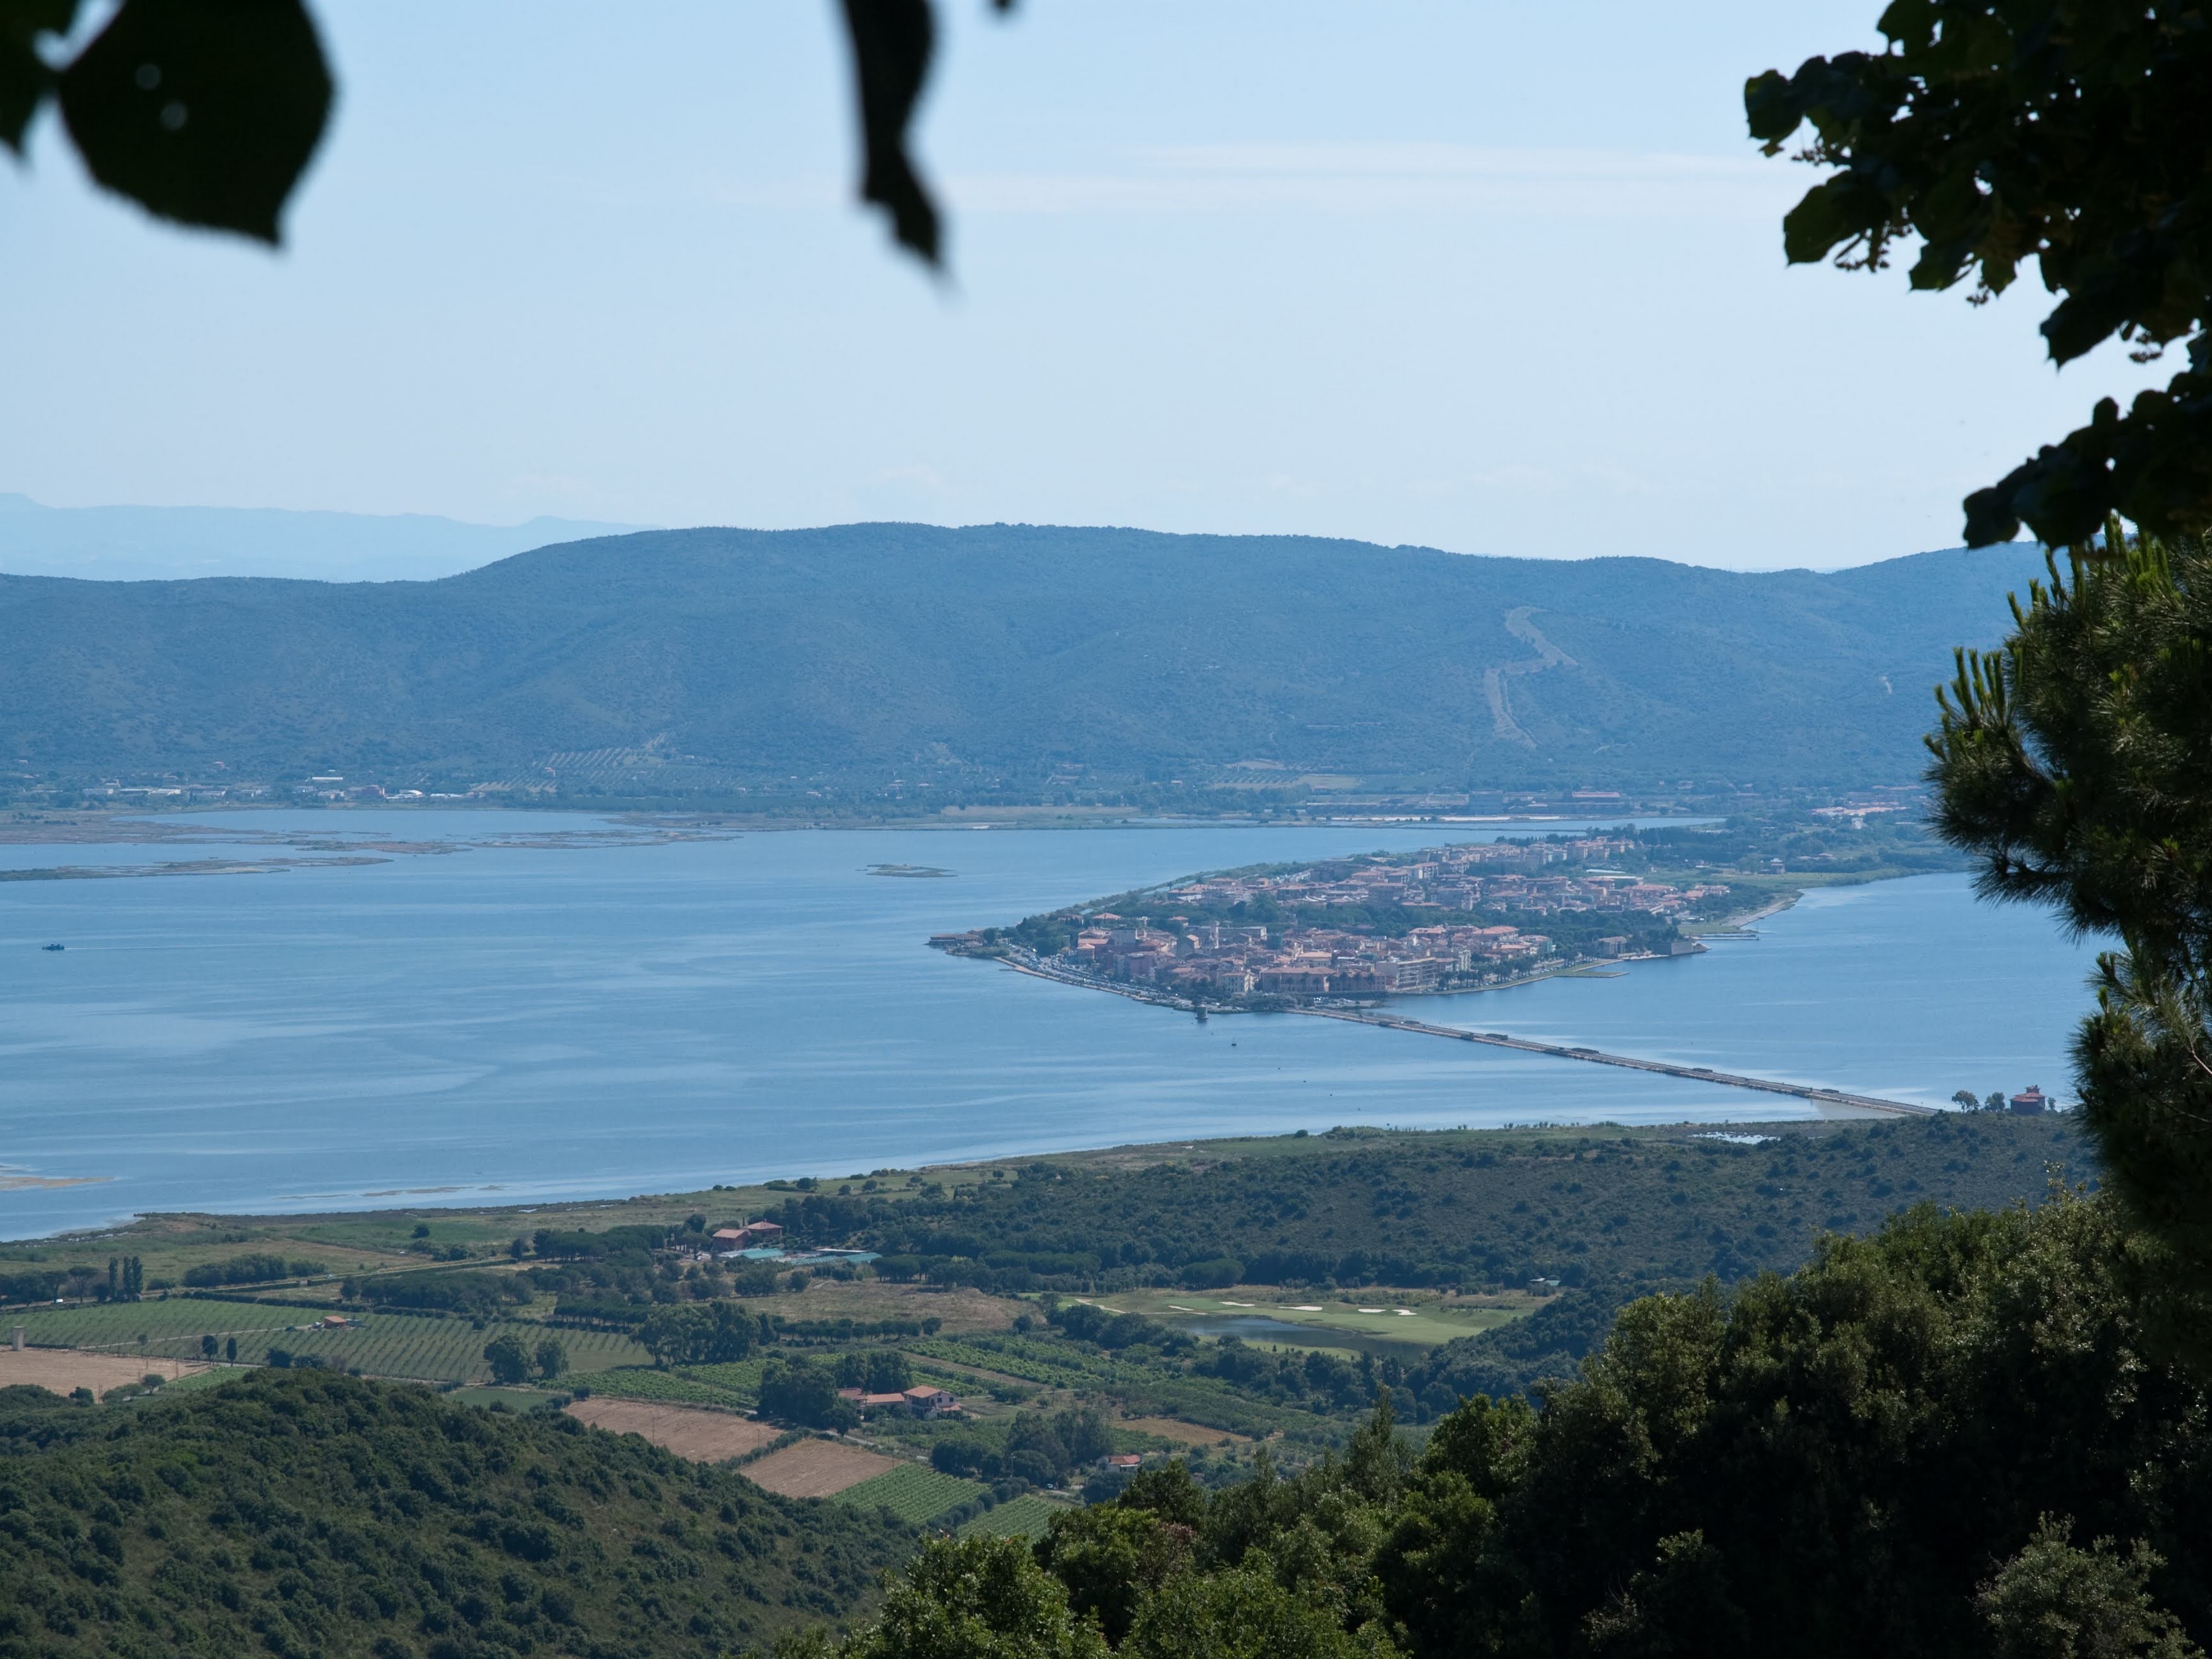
{"type": "Point", "coordinates": [1038, 660]}
{"type": "Point", "coordinates": [1609, 1208]}
{"type": "Point", "coordinates": [306, 1513]}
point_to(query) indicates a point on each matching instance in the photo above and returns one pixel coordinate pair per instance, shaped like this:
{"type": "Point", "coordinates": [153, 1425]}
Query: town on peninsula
{"type": "Point", "coordinates": [1468, 917]}
{"type": "Point", "coordinates": [1444, 919]}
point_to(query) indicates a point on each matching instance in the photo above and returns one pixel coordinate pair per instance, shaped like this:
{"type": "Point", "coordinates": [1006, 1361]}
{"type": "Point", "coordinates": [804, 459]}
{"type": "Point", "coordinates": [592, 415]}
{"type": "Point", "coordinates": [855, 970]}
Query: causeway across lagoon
{"type": "Point", "coordinates": [1817, 1096]}
{"type": "Point", "coordinates": [1698, 1073]}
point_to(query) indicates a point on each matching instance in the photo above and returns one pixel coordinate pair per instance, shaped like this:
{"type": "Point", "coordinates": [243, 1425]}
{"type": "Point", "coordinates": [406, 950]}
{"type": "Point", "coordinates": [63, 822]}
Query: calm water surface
{"type": "Point", "coordinates": [529, 1022]}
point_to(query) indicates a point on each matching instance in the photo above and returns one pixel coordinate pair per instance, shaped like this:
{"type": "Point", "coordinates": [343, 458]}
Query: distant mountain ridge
{"type": "Point", "coordinates": [1006, 655]}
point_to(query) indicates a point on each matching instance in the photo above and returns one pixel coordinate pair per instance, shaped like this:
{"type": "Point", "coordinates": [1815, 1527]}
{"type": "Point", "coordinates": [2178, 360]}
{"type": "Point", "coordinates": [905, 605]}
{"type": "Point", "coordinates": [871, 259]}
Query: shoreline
{"type": "Point", "coordinates": [1199, 1153]}
{"type": "Point", "coordinates": [1739, 926]}
{"type": "Point", "coordinates": [96, 824]}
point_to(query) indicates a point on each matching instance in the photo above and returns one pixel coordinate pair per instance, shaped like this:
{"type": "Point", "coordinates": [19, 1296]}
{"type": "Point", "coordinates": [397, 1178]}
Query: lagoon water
{"type": "Point", "coordinates": [511, 1023]}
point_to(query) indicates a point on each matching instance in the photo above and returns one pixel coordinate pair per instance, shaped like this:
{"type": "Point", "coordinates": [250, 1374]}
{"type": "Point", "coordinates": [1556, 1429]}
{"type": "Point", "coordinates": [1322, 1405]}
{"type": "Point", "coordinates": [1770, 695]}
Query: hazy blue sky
{"type": "Point", "coordinates": [1501, 278]}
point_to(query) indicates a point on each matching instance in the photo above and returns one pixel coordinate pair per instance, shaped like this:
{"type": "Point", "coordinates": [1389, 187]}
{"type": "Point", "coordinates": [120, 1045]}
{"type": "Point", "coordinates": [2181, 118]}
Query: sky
{"type": "Point", "coordinates": [1500, 278]}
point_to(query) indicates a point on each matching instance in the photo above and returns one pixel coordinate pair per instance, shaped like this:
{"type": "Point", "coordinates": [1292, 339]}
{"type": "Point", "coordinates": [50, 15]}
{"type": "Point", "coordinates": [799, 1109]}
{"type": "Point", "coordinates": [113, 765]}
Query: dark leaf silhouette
{"type": "Point", "coordinates": [206, 112]}
{"type": "Point", "coordinates": [2067, 135]}
{"type": "Point", "coordinates": [892, 40]}
{"type": "Point", "coordinates": [24, 78]}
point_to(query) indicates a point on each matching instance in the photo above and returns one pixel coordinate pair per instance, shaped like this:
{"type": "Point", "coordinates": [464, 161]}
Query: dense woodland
{"type": "Point", "coordinates": [309, 1514]}
{"type": "Point", "coordinates": [1479, 1211]}
{"type": "Point", "coordinates": [1967, 1436]}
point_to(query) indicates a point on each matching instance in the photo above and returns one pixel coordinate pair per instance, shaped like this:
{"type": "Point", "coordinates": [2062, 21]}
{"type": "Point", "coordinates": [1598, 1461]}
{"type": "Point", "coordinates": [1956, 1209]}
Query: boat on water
{"type": "Point", "coordinates": [57, 947]}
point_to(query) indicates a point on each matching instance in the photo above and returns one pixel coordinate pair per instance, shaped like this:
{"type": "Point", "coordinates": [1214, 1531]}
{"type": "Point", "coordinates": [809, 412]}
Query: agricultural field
{"type": "Point", "coordinates": [1420, 1320]}
{"type": "Point", "coordinates": [913, 1493]}
{"type": "Point", "coordinates": [62, 1371]}
{"type": "Point", "coordinates": [438, 1349]}
{"type": "Point", "coordinates": [704, 1437]}
{"type": "Point", "coordinates": [387, 1344]}
{"type": "Point", "coordinates": [643, 1382]}
{"type": "Point", "coordinates": [1147, 1390]}
{"type": "Point", "coordinates": [1022, 1517]}
{"type": "Point", "coordinates": [1178, 1433]}
{"type": "Point", "coordinates": [957, 1309]}
{"type": "Point", "coordinates": [1038, 1361]}
{"type": "Point", "coordinates": [119, 1325]}
{"type": "Point", "coordinates": [168, 1251]}
{"type": "Point", "coordinates": [213, 1376]}
{"type": "Point", "coordinates": [740, 1377]}
{"type": "Point", "coordinates": [817, 1468]}
{"type": "Point", "coordinates": [386, 1232]}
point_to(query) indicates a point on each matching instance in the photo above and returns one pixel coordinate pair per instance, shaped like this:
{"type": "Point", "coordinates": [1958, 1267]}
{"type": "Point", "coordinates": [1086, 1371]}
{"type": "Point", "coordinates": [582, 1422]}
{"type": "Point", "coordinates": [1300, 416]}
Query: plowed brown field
{"type": "Point", "coordinates": [817, 1468]}
{"type": "Point", "coordinates": [64, 1369]}
{"type": "Point", "coordinates": [702, 1435]}
{"type": "Point", "coordinates": [1170, 1428]}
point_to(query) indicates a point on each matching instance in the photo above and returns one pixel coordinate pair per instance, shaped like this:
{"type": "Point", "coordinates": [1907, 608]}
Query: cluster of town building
{"type": "Point", "coordinates": [1226, 959]}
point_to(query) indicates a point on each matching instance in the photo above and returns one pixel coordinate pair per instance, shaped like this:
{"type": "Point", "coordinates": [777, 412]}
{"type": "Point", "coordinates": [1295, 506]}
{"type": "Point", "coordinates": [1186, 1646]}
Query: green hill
{"type": "Point", "coordinates": [1624, 1207]}
{"type": "Point", "coordinates": [1031, 659]}
{"type": "Point", "coordinates": [311, 1514]}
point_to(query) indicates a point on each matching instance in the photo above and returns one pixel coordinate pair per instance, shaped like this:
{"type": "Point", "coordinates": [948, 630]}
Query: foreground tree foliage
{"type": "Point", "coordinates": [2069, 133]}
{"type": "Point", "coordinates": [2055, 1602]}
{"type": "Point", "coordinates": [1954, 1438]}
{"type": "Point", "coordinates": [2076, 760]}
{"type": "Point", "coordinates": [206, 112]}
{"type": "Point", "coordinates": [202, 111]}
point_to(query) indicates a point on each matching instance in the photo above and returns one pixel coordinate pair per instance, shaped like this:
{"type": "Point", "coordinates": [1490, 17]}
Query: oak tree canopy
{"type": "Point", "coordinates": [2067, 134]}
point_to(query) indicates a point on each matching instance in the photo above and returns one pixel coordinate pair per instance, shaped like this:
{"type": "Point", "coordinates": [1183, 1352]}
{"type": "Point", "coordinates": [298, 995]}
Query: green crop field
{"type": "Point", "coordinates": [1374, 1318]}
{"type": "Point", "coordinates": [740, 1377]}
{"type": "Point", "coordinates": [1024, 1517]}
{"type": "Point", "coordinates": [1147, 1390]}
{"type": "Point", "coordinates": [429, 1350]}
{"type": "Point", "coordinates": [643, 1382]}
{"type": "Point", "coordinates": [439, 1350]}
{"type": "Point", "coordinates": [1012, 1357]}
{"type": "Point", "coordinates": [513, 1400]}
{"type": "Point", "coordinates": [119, 1325]}
{"type": "Point", "coordinates": [913, 1493]}
{"type": "Point", "coordinates": [193, 1382]}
